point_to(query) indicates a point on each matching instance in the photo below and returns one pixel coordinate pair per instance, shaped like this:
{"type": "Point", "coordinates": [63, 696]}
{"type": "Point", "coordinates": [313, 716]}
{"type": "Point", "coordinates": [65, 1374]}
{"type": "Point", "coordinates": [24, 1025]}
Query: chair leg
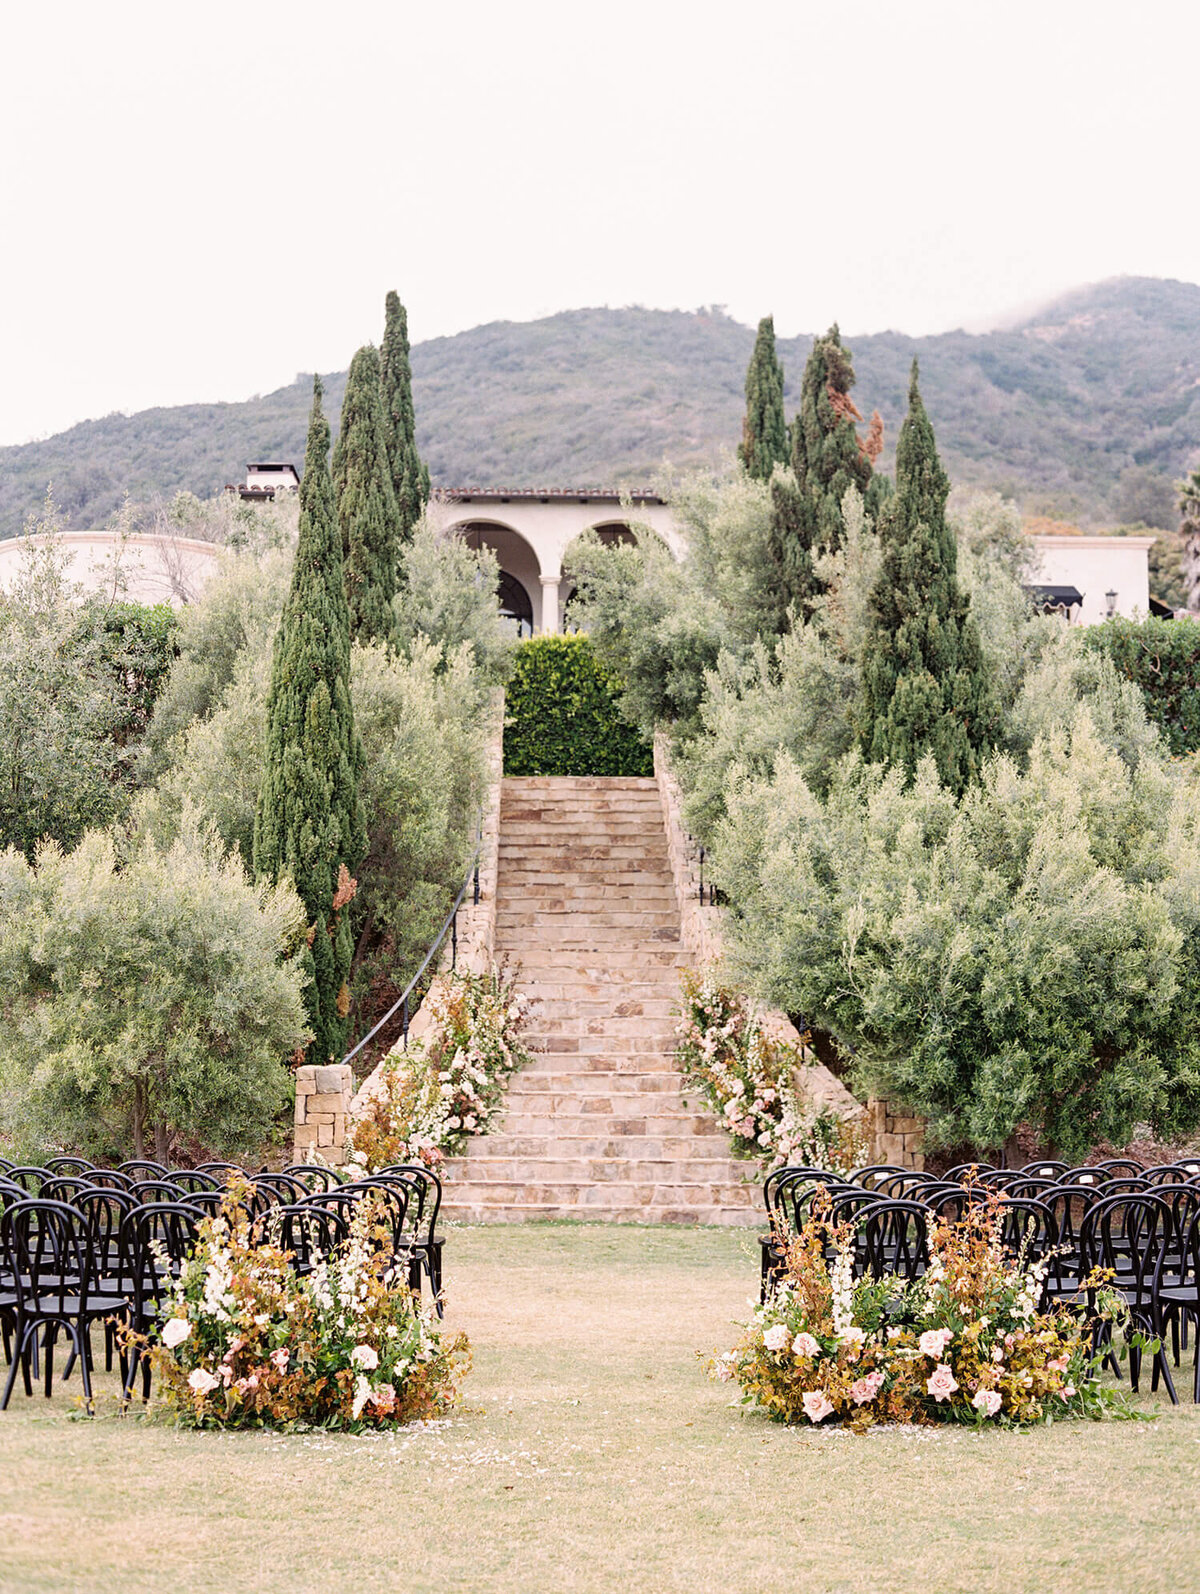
{"type": "Point", "coordinates": [79, 1333]}
{"type": "Point", "coordinates": [51, 1336]}
{"type": "Point", "coordinates": [1135, 1367]}
{"type": "Point", "coordinates": [17, 1361]}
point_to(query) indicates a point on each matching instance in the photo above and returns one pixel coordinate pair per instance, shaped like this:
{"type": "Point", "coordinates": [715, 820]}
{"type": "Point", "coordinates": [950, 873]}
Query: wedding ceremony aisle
{"type": "Point", "coordinates": [591, 1454]}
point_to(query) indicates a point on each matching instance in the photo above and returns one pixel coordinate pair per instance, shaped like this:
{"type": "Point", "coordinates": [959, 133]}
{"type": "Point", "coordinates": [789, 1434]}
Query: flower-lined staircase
{"type": "Point", "coordinates": [597, 1127]}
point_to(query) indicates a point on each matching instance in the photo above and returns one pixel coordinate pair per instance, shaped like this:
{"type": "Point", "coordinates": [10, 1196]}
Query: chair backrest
{"type": "Point", "coordinates": [1174, 1172]}
{"type": "Point", "coordinates": [164, 1228]}
{"type": "Point", "coordinates": [310, 1233]}
{"type": "Point", "coordinates": [1031, 1186]}
{"type": "Point", "coordinates": [1027, 1227]}
{"type": "Point", "coordinates": [64, 1187]}
{"type": "Point", "coordinates": [313, 1176]}
{"type": "Point", "coordinates": [156, 1190]}
{"type": "Point", "coordinates": [110, 1179]}
{"type": "Point", "coordinates": [45, 1245]}
{"type": "Point", "coordinates": [424, 1195]}
{"type": "Point", "coordinates": [139, 1168]}
{"type": "Point", "coordinates": [68, 1165]}
{"type": "Point", "coordinates": [895, 1239]}
{"type": "Point", "coordinates": [778, 1177]}
{"type": "Point", "coordinates": [999, 1178]}
{"type": "Point", "coordinates": [948, 1202]}
{"type": "Point", "coordinates": [792, 1199]}
{"type": "Point", "coordinates": [220, 1170]}
{"type": "Point", "coordinates": [1045, 1168]}
{"type": "Point", "coordinates": [31, 1179]}
{"type": "Point", "coordinates": [870, 1177]}
{"type": "Point", "coordinates": [190, 1179]}
{"type": "Point", "coordinates": [1086, 1174]}
{"type": "Point", "coordinates": [1131, 1234]}
{"type": "Point", "coordinates": [1070, 1203]}
{"type": "Point", "coordinates": [104, 1210]}
{"type": "Point", "coordinates": [964, 1170]}
{"type": "Point", "coordinates": [1122, 1165]}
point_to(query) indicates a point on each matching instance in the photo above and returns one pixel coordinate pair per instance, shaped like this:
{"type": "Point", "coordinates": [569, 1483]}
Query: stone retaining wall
{"type": "Point", "coordinates": [893, 1138]}
{"type": "Point", "coordinates": [322, 1103]}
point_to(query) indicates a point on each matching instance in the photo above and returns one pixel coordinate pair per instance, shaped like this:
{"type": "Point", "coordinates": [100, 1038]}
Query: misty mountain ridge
{"type": "Point", "coordinates": [1088, 409]}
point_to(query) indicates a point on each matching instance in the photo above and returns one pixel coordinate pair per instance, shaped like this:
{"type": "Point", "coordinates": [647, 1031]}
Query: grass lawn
{"type": "Point", "coordinates": [591, 1454]}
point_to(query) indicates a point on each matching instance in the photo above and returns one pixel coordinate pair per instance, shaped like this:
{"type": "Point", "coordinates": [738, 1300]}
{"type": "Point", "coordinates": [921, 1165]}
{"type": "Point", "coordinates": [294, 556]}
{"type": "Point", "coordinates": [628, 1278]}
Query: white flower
{"type": "Point", "coordinates": [362, 1393]}
{"type": "Point", "coordinates": [175, 1332]}
{"type": "Point", "coordinates": [365, 1357]}
{"type": "Point", "coordinates": [200, 1381]}
{"type": "Point", "coordinates": [776, 1337]}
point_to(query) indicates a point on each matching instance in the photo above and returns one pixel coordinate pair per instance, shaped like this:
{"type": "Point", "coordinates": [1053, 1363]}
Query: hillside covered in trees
{"type": "Point", "coordinates": [1088, 410]}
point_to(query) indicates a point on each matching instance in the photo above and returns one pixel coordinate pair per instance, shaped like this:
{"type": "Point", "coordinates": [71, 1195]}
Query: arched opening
{"type": "Point", "coordinates": [516, 604]}
{"type": "Point", "coordinates": [614, 532]}
{"type": "Point", "coordinates": [520, 571]}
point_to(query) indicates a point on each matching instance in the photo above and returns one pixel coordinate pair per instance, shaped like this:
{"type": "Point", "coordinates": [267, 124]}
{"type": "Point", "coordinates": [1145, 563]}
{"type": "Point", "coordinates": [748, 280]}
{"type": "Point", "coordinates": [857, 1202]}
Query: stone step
{"type": "Point", "coordinates": [540, 892]}
{"type": "Point", "coordinates": [486, 1211]}
{"type": "Point", "coordinates": [617, 1014]}
{"type": "Point", "coordinates": [564, 937]}
{"type": "Point", "coordinates": [585, 1083]}
{"type": "Point", "coordinates": [633, 1149]}
{"type": "Point", "coordinates": [585, 1194]}
{"type": "Point", "coordinates": [565, 1172]}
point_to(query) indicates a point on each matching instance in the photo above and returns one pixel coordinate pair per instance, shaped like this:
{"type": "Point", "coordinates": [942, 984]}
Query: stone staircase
{"type": "Point", "coordinates": [597, 1128]}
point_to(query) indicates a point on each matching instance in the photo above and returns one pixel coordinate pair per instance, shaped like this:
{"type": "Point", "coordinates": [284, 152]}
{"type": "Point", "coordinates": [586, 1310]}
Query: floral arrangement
{"type": "Point", "coordinates": [964, 1343]}
{"type": "Point", "coordinates": [246, 1341]}
{"type": "Point", "coordinates": [750, 1080]}
{"type": "Point", "coordinates": [423, 1102]}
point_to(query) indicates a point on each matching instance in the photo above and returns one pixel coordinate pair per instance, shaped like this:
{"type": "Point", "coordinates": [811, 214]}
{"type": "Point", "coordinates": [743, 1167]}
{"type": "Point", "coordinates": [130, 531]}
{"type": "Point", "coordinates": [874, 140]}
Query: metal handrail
{"type": "Point", "coordinates": [450, 925]}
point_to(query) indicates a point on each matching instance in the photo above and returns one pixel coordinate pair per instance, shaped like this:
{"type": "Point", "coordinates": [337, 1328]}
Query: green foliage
{"type": "Point", "coordinates": [309, 825]}
{"type": "Point", "coordinates": [367, 516]}
{"type": "Point", "coordinates": [423, 731]}
{"type": "Point", "coordinates": [926, 687]}
{"type": "Point", "coordinates": [409, 475]}
{"type": "Point", "coordinates": [1162, 658]}
{"type": "Point", "coordinates": [1189, 531]}
{"type": "Point", "coordinates": [447, 595]}
{"type": "Point", "coordinates": [826, 461]}
{"type": "Point", "coordinates": [1166, 559]}
{"type": "Point", "coordinates": [1025, 953]}
{"type": "Point", "coordinates": [77, 682]}
{"type": "Point", "coordinates": [764, 441]}
{"type": "Point", "coordinates": [563, 717]}
{"type": "Point", "coordinates": [148, 999]}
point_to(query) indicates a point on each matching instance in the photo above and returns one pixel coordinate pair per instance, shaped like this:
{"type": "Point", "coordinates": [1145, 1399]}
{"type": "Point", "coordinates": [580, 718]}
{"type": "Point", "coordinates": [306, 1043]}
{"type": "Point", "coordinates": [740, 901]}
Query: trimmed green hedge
{"type": "Point", "coordinates": [1163, 658]}
{"type": "Point", "coordinates": [562, 717]}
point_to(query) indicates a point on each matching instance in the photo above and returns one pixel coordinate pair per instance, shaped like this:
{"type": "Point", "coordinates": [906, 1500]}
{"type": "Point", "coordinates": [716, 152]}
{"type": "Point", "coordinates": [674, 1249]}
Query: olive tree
{"type": "Point", "coordinates": [147, 1000]}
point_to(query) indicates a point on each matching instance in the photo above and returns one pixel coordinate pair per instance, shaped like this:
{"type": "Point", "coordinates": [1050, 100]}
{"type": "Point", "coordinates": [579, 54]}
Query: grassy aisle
{"type": "Point", "coordinates": [591, 1455]}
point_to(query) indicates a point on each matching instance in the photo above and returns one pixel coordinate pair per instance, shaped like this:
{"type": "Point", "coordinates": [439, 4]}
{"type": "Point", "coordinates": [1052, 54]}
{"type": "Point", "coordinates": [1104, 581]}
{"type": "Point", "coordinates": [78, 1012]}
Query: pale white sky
{"type": "Point", "coordinates": [199, 200]}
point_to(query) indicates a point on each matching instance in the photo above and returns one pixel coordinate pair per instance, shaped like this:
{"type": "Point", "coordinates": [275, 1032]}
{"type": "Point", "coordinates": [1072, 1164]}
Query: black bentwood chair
{"type": "Point", "coordinates": [425, 1202]}
{"type": "Point", "coordinates": [1178, 1299]}
{"type": "Point", "coordinates": [155, 1242]}
{"type": "Point", "coordinates": [895, 1240]}
{"type": "Point", "coordinates": [53, 1274]}
{"type": "Point", "coordinates": [1132, 1235]}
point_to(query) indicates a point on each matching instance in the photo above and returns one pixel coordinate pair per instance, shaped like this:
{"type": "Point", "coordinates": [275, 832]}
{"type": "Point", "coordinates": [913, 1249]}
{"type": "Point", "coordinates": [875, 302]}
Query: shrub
{"type": "Point", "coordinates": [1163, 658]}
{"type": "Point", "coordinates": [965, 1343]}
{"type": "Point", "coordinates": [426, 1099]}
{"type": "Point", "coordinates": [246, 1342]}
{"type": "Point", "coordinates": [562, 715]}
{"type": "Point", "coordinates": [1028, 953]}
{"type": "Point", "coordinates": [147, 1000]}
{"type": "Point", "coordinates": [752, 1082]}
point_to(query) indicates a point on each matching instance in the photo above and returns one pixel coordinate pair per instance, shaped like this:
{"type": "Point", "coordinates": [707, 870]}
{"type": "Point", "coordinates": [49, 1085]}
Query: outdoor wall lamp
{"type": "Point", "coordinates": [1110, 599]}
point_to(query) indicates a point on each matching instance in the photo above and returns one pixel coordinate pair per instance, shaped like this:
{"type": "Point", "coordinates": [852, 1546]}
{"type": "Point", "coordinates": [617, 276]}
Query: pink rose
{"type": "Point", "coordinates": [805, 1345]}
{"type": "Point", "coordinates": [987, 1401]}
{"type": "Point", "coordinates": [1059, 1364]}
{"type": "Point", "coordinates": [279, 1359]}
{"type": "Point", "coordinates": [776, 1337]}
{"type": "Point", "coordinates": [1068, 1391]}
{"type": "Point", "coordinates": [816, 1405]}
{"type": "Point", "coordinates": [383, 1395]}
{"type": "Point", "coordinates": [942, 1383]}
{"type": "Point", "coordinates": [865, 1389]}
{"type": "Point", "coordinates": [934, 1341]}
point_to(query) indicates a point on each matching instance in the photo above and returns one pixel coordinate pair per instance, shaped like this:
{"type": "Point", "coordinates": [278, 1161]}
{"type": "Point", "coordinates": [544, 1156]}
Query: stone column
{"type": "Point", "coordinates": [550, 586]}
{"type": "Point", "coordinates": [323, 1098]}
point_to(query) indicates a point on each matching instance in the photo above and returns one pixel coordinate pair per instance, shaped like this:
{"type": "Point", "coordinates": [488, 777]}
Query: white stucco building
{"type": "Point", "coordinates": [144, 569]}
{"type": "Point", "coordinates": [530, 530]}
{"type": "Point", "coordinates": [1093, 578]}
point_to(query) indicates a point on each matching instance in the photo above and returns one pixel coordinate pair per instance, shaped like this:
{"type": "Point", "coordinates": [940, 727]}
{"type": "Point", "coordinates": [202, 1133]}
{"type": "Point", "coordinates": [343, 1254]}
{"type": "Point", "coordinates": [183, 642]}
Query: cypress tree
{"type": "Point", "coordinates": [925, 685]}
{"type": "Point", "coordinates": [366, 505]}
{"type": "Point", "coordinates": [410, 475]}
{"type": "Point", "coordinates": [309, 825]}
{"type": "Point", "coordinates": [827, 457]}
{"type": "Point", "coordinates": [764, 430]}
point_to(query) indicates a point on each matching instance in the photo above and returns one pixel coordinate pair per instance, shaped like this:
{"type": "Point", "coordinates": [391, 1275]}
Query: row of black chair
{"type": "Point", "coordinates": [80, 1244]}
{"type": "Point", "coordinates": [1147, 1236]}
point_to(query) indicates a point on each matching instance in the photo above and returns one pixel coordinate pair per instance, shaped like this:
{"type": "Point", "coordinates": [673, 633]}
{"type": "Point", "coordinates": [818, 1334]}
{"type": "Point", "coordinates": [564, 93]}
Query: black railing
{"type": "Point", "coordinates": [716, 897]}
{"type": "Point", "coordinates": [449, 928]}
